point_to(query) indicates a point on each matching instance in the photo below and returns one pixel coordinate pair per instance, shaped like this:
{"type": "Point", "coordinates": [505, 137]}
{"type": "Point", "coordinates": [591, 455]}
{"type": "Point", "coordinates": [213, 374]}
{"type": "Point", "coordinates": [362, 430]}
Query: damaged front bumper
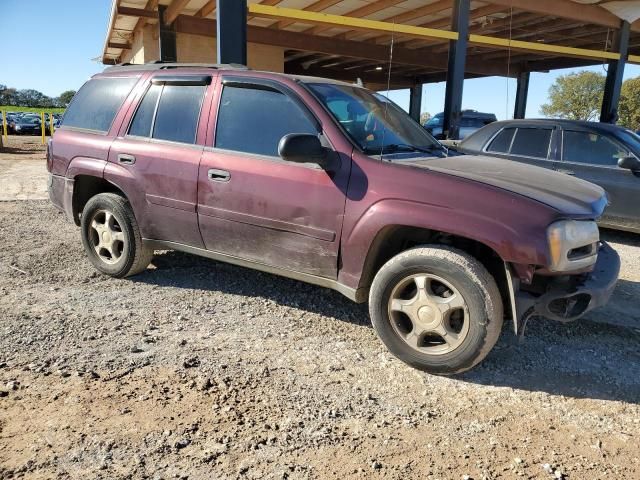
{"type": "Point", "coordinates": [567, 298]}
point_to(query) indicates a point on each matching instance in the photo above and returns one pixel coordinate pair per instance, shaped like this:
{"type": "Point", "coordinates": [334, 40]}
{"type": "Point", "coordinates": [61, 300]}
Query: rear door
{"type": "Point", "coordinates": [155, 158]}
{"type": "Point", "coordinates": [594, 157]}
{"type": "Point", "coordinates": [535, 145]}
{"type": "Point", "coordinates": [254, 205]}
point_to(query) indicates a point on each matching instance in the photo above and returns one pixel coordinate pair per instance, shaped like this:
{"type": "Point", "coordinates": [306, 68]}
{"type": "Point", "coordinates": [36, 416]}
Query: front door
{"type": "Point", "coordinates": [594, 157]}
{"type": "Point", "coordinates": [254, 205]}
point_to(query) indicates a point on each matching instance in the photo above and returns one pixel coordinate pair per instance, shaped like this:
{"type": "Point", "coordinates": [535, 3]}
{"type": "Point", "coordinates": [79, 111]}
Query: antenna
{"type": "Point", "coordinates": [506, 107]}
{"type": "Point", "coordinates": [386, 104]}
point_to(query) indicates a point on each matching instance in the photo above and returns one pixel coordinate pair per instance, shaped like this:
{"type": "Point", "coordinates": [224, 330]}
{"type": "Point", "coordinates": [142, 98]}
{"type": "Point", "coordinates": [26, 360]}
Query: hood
{"type": "Point", "coordinates": [568, 195]}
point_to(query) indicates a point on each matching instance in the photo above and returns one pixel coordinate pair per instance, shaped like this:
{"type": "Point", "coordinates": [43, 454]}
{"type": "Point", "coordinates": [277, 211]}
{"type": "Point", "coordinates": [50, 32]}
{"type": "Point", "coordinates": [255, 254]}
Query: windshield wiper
{"type": "Point", "coordinates": [400, 147]}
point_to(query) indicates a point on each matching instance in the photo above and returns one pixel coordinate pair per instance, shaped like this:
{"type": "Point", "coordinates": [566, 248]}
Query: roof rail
{"type": "Point", "coordinates": [162, 65]}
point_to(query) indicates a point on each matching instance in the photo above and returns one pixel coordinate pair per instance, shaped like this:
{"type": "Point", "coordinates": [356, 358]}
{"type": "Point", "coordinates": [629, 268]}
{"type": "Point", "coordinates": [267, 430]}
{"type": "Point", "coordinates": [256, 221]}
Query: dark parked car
{"type": "Point", "coordinates": [470, 121]}
{"type": "Point", "coordinates": [607, 155]}
{"type": "Point", "coordinates": [328, 183]}
{"type": "Point", "coordinates": [27, 125]}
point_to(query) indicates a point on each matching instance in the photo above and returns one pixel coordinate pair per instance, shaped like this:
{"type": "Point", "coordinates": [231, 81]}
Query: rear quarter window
{"type": "Point", "coordinates": [96, 104]}
{"type": "Point", "coordinates": [532, 142]}
{"type": "Point", "coordinates": [501, 143]}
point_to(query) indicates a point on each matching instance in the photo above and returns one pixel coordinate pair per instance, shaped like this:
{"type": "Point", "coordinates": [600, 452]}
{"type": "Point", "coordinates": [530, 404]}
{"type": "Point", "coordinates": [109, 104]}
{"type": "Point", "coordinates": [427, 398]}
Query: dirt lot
{"type": "Point", "coordinates": [23, 173]}
{"type": "Point", "coordinates": [197, 369]}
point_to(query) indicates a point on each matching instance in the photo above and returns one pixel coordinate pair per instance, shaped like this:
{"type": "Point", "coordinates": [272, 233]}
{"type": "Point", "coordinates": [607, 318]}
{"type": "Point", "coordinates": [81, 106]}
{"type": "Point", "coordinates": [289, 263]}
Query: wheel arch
{"type": "Point", "coordinates": [391, 240]}
{"type": "Point", "coordinates": [86, 187]}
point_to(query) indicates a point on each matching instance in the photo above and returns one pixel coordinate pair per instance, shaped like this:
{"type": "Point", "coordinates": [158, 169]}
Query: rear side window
{"type": "Point", "coordinates": [95, 105]}
{"type": "Point", "coordinates": [169, 112]}
{"type": "Point", "coordinates": [591, 148]}
{"type": "Point", "coordinates": [254, 120]}
{"type": "Point", "coordinates": [502, 142]}
{"type": "Point", "coordinates": [532, 142]}
{"type": "Point", "coordinates": [143, 120]}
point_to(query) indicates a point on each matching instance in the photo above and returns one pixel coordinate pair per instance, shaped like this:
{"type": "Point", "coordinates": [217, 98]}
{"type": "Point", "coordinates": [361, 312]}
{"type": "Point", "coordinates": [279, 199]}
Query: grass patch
{"type": "Point", "coordinates": [12, 108]}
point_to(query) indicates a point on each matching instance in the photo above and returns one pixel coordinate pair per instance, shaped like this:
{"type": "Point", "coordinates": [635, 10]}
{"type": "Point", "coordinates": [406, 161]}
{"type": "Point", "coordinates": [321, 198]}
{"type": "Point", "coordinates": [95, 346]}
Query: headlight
{"type": "Point", "coordinates": [573, 245]}
{"type": "Point", "coordinates": [18, 127]}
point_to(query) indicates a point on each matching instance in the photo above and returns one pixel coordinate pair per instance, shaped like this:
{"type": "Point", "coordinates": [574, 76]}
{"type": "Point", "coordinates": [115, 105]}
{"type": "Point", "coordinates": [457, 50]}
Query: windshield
{"type": "Point", "coordinates": [434, 121]}
{"type": "Point", "coordinates": [631, 139]}
{"type": "Point", "coordinates": [374, 123]}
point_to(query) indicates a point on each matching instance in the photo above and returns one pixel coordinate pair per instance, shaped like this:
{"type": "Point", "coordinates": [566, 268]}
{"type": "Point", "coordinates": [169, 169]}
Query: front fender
{"type": "Point", "coordinates": [511, 242]}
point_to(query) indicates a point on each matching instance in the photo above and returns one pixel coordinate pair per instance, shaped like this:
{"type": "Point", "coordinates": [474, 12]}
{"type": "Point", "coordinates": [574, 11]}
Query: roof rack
{"type": "Point", "coordinates": [161, 65]}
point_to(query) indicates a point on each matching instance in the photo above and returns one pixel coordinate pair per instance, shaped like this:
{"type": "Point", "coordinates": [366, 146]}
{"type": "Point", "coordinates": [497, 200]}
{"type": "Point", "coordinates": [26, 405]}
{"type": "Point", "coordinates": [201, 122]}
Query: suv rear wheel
{"type": "Point", "coordinates": [436, 308]}
{"type": "Point", "coordinates": [111, 236]}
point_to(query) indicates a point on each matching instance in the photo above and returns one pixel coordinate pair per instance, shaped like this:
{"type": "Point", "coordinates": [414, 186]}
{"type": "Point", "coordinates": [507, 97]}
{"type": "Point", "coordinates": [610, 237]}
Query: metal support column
{"type": "Point", "coordinates": [167, 40]}
{"type": "Point", "coordinates": [455, 70]}
{"type": "Point", "coordinates": [232, 31]}
{"type": "Point", "coordinates": [615, 72]}
{"type": "Point", "coordinates": [521, 95]}
{"type": "Point", "coordinates": [415, 102]}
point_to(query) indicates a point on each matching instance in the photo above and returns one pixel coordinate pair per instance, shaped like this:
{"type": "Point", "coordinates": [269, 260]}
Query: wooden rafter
{"type": "Point", "coordinates": [440, 23]}
{"type": "Point", "coordinates": [361, 12]}
{"type": "Point", "coordinates": [206, 9]}
{"type": "Point", "coordinates": [174, 9]}
{"type": "Point", "coordinates": [331, 46]}
{"type": "Point", "coordinates": [593, 14]}
{"type": "Point", "coordinates": [318, 6]}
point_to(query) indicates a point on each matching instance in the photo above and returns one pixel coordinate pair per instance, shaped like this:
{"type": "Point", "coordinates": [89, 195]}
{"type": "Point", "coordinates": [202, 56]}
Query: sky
{"type": "Point", "coordinates": [49, 45]}
{"type": "Point", "coordinates": [60, 49]}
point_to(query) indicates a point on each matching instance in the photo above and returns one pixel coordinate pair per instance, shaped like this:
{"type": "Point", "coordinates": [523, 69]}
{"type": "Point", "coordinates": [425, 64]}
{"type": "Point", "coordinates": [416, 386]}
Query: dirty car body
{"type": "Point", "coordinates": [327, 183]}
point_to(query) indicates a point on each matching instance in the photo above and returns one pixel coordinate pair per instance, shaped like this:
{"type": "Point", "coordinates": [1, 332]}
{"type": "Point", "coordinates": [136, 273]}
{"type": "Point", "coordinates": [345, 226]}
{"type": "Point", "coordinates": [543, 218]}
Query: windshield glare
{"type": "Point", "coordinates": [374, 123]}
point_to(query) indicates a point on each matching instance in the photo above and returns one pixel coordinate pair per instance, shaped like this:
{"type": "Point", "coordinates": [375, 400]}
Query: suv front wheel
{"type": "Point", "coordinates": [436, 308]}
{"type": "Point", "coordinates": [111, 237]}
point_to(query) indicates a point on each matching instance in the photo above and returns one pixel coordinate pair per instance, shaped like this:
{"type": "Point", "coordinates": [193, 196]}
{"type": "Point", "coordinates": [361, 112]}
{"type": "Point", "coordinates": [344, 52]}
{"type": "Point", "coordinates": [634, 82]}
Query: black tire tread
{"type": "Point", "coordinates": [142, 254]}
{"type": "Point", "coordinates": [477, 274]}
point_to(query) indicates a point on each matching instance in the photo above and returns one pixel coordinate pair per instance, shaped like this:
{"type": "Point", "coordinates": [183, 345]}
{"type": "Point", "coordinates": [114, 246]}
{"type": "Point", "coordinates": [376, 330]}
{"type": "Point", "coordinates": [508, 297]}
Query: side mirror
{"type": "Point", "coordinates": [302, 148]}
{"type": "Point", "coordinates": [629, 163]}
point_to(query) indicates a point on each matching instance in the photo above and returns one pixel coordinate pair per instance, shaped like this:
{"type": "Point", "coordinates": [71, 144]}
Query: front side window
{"type": "Point", "coordinates": [375, 123]}
{"type": "Point", "coordinates": [169, 112]}
{"type": "Point", "coordinates": [591, 148]}
{"type": "Point", "coordinates": [96, 104]}
{"type": "Point", "coordinates": [531, 142]}
{"type": "Point", "coordinates": [253, 120]}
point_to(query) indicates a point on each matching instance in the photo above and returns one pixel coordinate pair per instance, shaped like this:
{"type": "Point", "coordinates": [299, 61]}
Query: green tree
{"type": "Point", "coordinates": [65, 97]}
{"type": "Point", "coordinates": [629, 106]}
{"type": "Point", "coordinates": [7, 95]}
{"type": "Point", "coordinates": [576, 96]}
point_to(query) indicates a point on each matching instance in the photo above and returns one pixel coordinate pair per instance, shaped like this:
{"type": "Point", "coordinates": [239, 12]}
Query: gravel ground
{"type": "Point", "coordinates": [197, 369]}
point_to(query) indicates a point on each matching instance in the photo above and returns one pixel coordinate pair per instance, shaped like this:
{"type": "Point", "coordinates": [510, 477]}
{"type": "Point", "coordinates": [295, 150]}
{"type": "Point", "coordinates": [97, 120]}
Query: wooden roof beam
{"type": "Point", "coordinates": [566, 9]}
{"type": "Point", "coordinates": [173, 10]}
{"type": "Point", "coordinates": [318, 6]}
{"type": "Point", "coordinates": [442, 23]}
{"type": "Point", "coordinates": [431, 9]}
{"type": "Point", "coordinates": [332, 46]}
{"type": "Point", "coordinates": [361, 12]}
{"type": "Point", "coordinates": [206, 9]}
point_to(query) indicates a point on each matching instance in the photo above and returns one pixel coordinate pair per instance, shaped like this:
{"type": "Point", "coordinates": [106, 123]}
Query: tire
{"type": "Point", "coordinates": [121, 252]}
{"type": "Point", "coordinates": [436, 308]}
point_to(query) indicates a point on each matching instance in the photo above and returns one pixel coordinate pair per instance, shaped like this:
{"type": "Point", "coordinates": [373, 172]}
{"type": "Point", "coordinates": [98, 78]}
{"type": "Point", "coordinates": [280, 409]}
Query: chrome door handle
{"type": "Point", "coordinates": [126, 159]}
{"type": "Point", "coordinates": [218, 175]}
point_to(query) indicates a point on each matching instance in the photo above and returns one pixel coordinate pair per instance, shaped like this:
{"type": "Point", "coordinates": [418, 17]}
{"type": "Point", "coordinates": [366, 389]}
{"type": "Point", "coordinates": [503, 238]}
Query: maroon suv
{"type": "Point", "coordinates": [328, 183]}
